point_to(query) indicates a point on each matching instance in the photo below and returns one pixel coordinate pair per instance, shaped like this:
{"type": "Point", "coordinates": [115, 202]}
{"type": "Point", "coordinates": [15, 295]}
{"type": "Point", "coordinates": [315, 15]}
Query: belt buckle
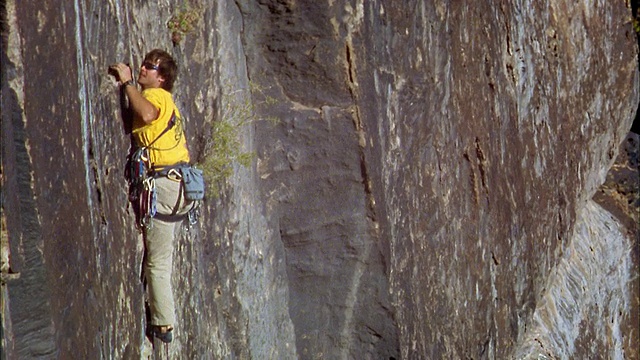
{"type": "Point", "coordinates": [174, 174]}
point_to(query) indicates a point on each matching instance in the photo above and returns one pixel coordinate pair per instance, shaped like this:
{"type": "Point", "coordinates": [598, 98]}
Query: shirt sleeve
{"type": "Point", "coordinates": [156, 99]}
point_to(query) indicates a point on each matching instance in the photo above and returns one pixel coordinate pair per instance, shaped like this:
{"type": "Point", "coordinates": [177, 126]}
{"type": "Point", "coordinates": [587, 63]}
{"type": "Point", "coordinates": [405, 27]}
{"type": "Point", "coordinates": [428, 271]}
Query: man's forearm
{"type": "Point", "coordinates": [140, 106]}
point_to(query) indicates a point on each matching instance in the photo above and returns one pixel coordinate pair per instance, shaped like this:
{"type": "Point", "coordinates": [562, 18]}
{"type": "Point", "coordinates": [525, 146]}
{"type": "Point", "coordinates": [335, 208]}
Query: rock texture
{"type": "Point", "coordinates": [424, 193]}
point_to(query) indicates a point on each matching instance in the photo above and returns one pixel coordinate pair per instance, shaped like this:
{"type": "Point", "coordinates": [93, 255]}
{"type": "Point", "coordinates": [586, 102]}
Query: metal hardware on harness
{"type": "Point", "coordinates": [194, 213]}
{"type": "Point", "coordinates": [142, 192]}
{"type": "Point", "coordinates": [150, 189]}
{"type": "Point", "coordinates": [146, 201]}
{"type": "Point", "coordinates": [174, 172]}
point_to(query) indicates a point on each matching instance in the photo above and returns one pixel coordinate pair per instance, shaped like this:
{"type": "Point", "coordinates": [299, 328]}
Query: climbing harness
{"type": "Point", "coordinates": [141, 177]}
{"type": "Point", "coordinates": [142, 186]}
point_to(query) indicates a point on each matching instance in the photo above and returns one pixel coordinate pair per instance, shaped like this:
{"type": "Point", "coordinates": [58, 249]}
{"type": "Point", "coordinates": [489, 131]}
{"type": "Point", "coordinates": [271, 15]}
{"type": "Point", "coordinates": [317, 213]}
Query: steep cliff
{"type": "Point", "coordinates": [425, 190]}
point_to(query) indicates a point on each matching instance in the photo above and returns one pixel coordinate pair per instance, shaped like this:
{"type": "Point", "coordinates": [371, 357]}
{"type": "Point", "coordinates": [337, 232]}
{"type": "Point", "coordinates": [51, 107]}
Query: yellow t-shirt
{"type": "Point", "coordinates": [170, 148]}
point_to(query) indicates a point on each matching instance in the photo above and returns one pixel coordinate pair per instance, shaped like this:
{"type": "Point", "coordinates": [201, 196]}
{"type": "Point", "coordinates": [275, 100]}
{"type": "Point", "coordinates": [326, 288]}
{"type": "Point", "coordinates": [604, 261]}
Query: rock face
{"type": "Point", "coordinates": [424, 193]}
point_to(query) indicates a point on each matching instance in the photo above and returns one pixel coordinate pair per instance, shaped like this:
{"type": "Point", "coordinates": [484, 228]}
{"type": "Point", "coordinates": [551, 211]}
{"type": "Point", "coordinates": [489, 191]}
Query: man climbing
{"type": "Point", "coordinates": [156, 191]}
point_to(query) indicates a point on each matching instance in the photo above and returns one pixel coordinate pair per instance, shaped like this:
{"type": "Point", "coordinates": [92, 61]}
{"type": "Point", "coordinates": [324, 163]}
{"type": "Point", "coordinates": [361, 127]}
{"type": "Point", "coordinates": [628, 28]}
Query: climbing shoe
{"type": "Point", "coordinates": [164, 333]}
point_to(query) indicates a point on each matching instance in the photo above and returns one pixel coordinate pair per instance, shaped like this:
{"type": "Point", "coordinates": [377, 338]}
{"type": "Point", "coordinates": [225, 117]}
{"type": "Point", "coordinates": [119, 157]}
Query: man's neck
{"type": "Point", "coordinates": [145, 87]}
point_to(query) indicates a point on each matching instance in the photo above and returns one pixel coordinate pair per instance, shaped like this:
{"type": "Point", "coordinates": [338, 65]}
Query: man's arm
{"type": "Point", "coordinates": [141, 107]}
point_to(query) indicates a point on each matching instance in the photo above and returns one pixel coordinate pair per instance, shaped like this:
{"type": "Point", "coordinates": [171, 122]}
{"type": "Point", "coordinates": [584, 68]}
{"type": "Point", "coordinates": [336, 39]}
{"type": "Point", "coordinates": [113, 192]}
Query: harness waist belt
{"type": "Point", "coordinates": [165, 170]}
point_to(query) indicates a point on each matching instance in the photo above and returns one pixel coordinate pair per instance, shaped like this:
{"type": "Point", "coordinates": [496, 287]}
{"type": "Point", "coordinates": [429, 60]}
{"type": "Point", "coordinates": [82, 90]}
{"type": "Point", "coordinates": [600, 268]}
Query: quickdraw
{"type": "Point", "coordinates": [194, 213]}
{"type": "Point", "coordinates": [147, 201]}
{"type": "Point", "coordinates": [142, 191]}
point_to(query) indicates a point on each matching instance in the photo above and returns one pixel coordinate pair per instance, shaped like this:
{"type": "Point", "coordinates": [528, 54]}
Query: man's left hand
{"type": "Point", "coordinates": [122, 72]}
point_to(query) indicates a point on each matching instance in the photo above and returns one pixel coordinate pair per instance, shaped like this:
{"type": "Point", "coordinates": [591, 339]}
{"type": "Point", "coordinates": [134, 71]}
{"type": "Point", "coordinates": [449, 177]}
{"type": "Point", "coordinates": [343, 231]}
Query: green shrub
{"type": "Point", "coordinates": [223, 148]}
{"type": "Point", "coordinates": [183, 21]}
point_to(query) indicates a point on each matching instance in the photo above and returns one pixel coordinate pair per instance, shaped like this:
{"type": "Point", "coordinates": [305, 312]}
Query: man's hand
{"type": "Point", "coordinates": [141, 107]}
{"type": "Point", "coordinates": [122, 72]}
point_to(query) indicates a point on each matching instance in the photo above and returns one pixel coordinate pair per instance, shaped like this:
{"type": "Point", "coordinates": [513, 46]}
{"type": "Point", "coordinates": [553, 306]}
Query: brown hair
{"type": "Point", "coordinates": [168, 68]}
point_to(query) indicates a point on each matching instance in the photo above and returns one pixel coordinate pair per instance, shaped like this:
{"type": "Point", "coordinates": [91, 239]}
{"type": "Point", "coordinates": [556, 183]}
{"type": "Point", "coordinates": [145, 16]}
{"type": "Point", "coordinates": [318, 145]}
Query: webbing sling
{"type": "Point", "coordinates": [170, 124]}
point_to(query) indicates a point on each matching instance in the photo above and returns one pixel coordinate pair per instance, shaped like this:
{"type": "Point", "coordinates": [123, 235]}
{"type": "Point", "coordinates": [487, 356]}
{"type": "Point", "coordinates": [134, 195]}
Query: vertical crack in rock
{"type": "Point", "coordinates": [361, 133]}
{"type": "Point", "coordinates": [482, 164]}
{"type": "Point", "coordinates": [366, 262]}
{"type": "Point", "coordinates": [477, 173]}
{"type": "Point", "coordinates": [241, 34]}
{"type": "Point", "coordinates": [473, 180]}
{"type": "Point", "coordinates": [86, 116]}
{"type": "Point", "coordinates": [350, 69]}
{"type": "Point", "coordinates": [357, 117]}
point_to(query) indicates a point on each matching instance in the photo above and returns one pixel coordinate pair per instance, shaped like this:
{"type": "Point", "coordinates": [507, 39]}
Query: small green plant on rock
{"type": "Point", "coordinates": [183, 21]}
{"type": "Point", "coordinates": [223, 148]}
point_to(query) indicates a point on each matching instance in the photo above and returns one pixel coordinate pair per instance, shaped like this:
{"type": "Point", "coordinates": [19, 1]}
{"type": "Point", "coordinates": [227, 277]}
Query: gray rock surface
{"type": "Point", "coordinates": [586, 293]}
{"type": "Point", "coordinates": [427, 180]}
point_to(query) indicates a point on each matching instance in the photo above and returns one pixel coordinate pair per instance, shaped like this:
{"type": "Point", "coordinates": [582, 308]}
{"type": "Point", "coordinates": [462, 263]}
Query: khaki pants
{"type": "Point", "coordinates": [159, 238]}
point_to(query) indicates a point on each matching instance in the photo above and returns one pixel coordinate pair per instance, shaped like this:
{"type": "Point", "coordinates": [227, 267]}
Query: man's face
{"type": "Point", "coordinates": [149, 76]}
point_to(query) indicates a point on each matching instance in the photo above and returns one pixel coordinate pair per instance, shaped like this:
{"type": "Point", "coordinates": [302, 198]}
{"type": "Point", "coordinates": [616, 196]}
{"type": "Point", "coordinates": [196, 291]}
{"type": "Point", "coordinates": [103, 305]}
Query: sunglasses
{"type": "Point", "coordinates": [149, 66]}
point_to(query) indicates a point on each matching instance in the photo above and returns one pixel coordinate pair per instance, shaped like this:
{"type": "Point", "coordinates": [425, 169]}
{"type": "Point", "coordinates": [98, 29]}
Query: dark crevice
{"type": "Point", "coordinates": [350, 66]}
